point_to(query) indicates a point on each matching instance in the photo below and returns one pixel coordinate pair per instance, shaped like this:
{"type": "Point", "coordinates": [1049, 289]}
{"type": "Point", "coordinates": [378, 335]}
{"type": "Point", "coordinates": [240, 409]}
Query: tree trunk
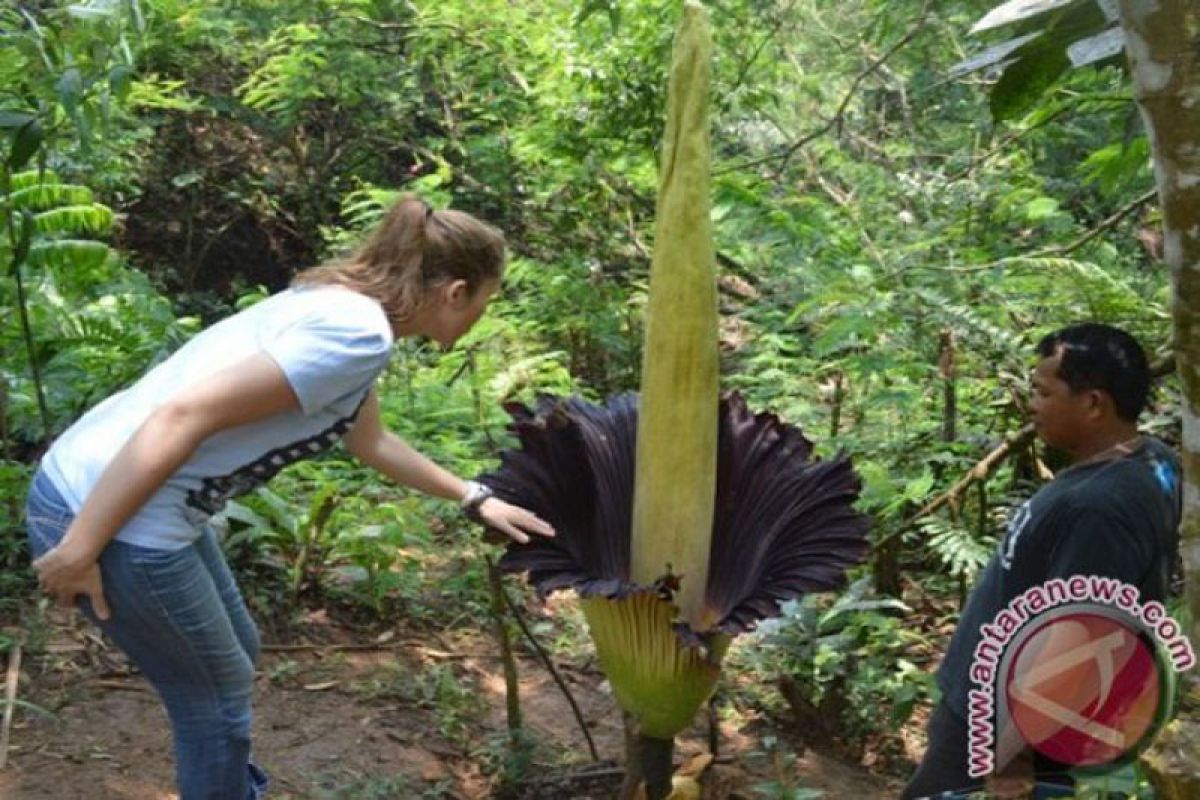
{"type": "Point", "coordinates": [947, 369]}
{"type": "Point", "coordinates": [1162, 38]}
{"type": "Point", "coordinates": [1162, 41]}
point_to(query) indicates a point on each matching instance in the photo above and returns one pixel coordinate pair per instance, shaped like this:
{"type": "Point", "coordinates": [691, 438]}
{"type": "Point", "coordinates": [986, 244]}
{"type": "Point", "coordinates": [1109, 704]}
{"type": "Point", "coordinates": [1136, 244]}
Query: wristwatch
{"type": "Point", "coordinates": [473, 499]}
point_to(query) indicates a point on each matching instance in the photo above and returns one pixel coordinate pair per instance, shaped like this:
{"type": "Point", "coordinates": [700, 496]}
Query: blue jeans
{"type": "Point", "coordinates": [179, 617]}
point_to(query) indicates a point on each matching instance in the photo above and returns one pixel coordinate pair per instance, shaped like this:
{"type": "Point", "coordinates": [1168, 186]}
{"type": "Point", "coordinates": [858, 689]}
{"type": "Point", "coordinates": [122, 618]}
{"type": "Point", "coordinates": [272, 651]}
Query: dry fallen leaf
{"type": "Point", "coordinates": [684, 788]}
{"type": "Point", "coordinates": [694, 766]}
{"type": "Point", "coordinates": [320, 687]}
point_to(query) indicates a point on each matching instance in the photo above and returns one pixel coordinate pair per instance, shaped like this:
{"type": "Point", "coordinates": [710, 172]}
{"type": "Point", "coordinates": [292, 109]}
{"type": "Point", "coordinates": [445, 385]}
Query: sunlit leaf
{"type": "Point", "coordinates": [94, 219]}
{"type": "Point", "coordinates": [1017, 11]}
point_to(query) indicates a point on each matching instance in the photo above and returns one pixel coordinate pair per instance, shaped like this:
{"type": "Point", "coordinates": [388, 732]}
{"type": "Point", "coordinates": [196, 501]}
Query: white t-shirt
{"type": "Point", "coordinates": [331, 344]}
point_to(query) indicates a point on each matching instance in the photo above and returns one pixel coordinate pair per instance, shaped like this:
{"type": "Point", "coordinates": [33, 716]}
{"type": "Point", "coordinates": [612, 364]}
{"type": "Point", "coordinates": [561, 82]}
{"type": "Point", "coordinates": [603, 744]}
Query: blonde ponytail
{"type": "Point", "coordinates": [413, 250]}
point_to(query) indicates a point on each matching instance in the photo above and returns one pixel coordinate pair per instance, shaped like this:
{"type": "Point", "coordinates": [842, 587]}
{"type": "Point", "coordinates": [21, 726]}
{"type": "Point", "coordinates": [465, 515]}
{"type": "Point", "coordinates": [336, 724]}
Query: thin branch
{"type": "Point", "coordinates": [744, 69]}
{"type": "Point", "coordinates": [982, 469]}
{"type": "Point", "coordinates": [10, 699]}
{"type": "Point", "coordinates": [121, 686]}
{"type": "Point", "coordinates": [1109, 222]}
{"type": "Point", "coordinates": [368, 647]}
{"type": "Point", "coordinates": [1058, 251]}
{"type": "Point", "coordinates": [979, 161]}
{"type": "Point", "coordinates": [520, 618]}
{"type": "Point", "coordinates": [407, 27]}
{"type": "Point", "coordinates": [838, 115]}
{"type": "Point", "coordinates": [979, 472]}
{"type": "Point", "coordinates": [1014, 136]}
{"type": "Point", "coordinates": [845, 201]}
{"type": "Point", "coordinates": [512, 680]}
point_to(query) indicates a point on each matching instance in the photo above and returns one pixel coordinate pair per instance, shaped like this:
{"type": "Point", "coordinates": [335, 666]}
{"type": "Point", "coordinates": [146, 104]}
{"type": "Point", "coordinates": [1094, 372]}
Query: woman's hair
{"type": "Point", "coordinates": [413, 250]}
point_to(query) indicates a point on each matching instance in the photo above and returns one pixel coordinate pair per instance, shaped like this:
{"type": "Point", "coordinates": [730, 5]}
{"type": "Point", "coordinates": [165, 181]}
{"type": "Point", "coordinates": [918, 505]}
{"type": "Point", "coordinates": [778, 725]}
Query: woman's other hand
{"type": "Point", "coordinates": [64, 575]}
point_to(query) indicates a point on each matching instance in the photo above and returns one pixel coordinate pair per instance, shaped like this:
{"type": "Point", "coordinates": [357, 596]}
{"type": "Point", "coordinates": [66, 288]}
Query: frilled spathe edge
{"type": "Point", "coordinates": [784, 524]}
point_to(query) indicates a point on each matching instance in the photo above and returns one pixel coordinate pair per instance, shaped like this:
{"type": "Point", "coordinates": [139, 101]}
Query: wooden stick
{"type": "Point", "coordinates": [976, 473]}
{"type": "Point", "coordinates": [303, 648]}
{"type": "Point", "coordinates": [121, 686]}
{"type": "Point", "coordinates": [512, 682]}
{"type": "Point", "coordinates": [549, 662]}
{"type": "Point", "coordinates": [361, 647]}
{"type": "Point", "coordinates": [980, 471]}
{"type": "Point", "coordinates": [10, 699]}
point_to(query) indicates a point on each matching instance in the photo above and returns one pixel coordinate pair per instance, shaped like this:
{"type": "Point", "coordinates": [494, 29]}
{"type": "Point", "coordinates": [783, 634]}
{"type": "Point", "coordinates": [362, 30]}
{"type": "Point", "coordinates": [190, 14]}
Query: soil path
{"type": "Point", "coordinates": [421, 719]}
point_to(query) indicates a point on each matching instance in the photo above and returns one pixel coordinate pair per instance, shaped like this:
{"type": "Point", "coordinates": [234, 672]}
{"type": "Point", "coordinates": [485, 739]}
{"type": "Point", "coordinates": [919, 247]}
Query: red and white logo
{"type": "Point", "coordinates": [1084, 687]}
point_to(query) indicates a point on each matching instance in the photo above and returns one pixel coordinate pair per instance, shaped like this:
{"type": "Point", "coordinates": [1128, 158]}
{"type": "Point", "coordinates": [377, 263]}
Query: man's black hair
{"type": "Point", "coordinates": [1096, 356]}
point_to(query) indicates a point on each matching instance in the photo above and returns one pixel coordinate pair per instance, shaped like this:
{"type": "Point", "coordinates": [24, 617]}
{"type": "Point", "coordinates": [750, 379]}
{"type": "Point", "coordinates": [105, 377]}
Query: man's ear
{"type": "Point", "coordinates": [1100, 403]}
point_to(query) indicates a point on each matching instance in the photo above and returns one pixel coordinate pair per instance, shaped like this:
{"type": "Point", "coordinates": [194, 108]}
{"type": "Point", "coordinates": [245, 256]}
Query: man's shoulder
{"type": "Point", "coordinates": [1152, 468]}
{"type": "Point", "coordinates": [1163, 464]}
{"type": "Point", "coordinates": [1132, 496]}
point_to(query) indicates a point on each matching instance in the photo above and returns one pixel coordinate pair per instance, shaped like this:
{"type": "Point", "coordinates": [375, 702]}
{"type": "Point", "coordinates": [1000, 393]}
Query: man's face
{"type": "Point", "coordinates": [1060, 416]}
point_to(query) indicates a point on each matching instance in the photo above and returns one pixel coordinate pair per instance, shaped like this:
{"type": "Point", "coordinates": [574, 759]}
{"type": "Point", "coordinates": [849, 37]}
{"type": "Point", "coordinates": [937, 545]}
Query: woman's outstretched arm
{"type": "Point", "coordinates": [375, 446]}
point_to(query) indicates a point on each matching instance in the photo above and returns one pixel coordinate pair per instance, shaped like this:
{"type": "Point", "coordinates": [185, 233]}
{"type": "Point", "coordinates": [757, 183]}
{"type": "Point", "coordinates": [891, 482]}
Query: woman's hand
{"type": "Point", "coordinates": [513, 521]}
{"type": "Point", "coordinates": [64, 575]}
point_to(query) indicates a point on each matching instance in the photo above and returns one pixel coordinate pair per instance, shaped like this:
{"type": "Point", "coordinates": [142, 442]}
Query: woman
{"type": "Point", "coordinates": [117, 511]}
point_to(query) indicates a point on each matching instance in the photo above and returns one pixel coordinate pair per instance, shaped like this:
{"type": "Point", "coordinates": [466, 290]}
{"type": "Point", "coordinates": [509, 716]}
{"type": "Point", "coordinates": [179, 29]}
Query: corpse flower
{"type": "Point", "coordinates": [682, 519]}
{"type": "Point", "coordinates": [783, 526]}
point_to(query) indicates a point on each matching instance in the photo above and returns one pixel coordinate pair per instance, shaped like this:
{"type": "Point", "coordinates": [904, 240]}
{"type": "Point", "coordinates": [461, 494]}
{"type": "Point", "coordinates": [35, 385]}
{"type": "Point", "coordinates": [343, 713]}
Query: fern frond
{"type": "Point", "coordinates": [93, 219]}
{"type": "Point", "coordinates": [42, 196]}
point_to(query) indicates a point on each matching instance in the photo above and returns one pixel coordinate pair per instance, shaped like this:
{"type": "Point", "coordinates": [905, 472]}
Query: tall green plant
{"type": "Point", "coordinates": [45, 221]}
{"type": "Point", "coordinates": [670, 548]}
{"type": "Point", "coordinates": [63, 72]}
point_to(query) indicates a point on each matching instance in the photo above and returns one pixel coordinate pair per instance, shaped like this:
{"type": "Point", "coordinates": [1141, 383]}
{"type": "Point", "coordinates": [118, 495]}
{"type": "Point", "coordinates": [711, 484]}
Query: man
{"type": "Point", "coordinates": [1112, 512]}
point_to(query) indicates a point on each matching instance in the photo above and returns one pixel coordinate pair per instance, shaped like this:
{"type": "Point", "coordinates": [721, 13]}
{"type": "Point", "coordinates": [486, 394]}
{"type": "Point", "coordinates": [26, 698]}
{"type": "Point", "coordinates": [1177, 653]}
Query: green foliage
{"type": "Point", "coordinates": [1126, 781]}
{"type": "Point", "coordinates": [292, 74]}
{"type": "Point", "coordinates": [783, 785]}
{"type": "Point", "coordinates": [325, 530]}
{"type": "Point", "coordinates": [851, 656]}
{"type": "Point", "coordinates": [298, 535]}
{"type": "Point", "coordinates": [67, 69]}
{"type": "Point", "coordinates": [38, 231]}
{"type": "Point", "coordinates": [1051, 38]}
{"type": "Point", "coordinates": [66, 65]}
{"type": "Point", "coordinates": [453, 698]}
{"type": "Point", "coordinates": [960, 550]}
{"type": "Point", "coordinates": [509, 756]}
{"type": "Point", "coordinates": [16, 578]}
{"type": "Point", "coordinates": [346, 785]}
{"type": "Point", "coordinates": [1118, 165]}
{"type": "Point", "coordinates": [1038, 68]}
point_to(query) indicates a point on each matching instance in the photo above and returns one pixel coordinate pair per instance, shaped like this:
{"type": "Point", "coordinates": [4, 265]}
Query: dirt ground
{"type": "Point", "coordinates": [405, 716]}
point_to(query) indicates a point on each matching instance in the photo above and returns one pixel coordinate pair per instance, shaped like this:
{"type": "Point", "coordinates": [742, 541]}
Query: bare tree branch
{"type": "Point", "coordinates": [1058, 251]}
{"type": "Point", "coordinates": [785, 155]}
